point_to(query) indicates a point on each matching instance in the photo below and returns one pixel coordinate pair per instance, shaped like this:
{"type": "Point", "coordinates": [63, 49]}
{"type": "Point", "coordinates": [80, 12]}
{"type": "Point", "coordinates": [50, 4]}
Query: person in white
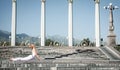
{"type": "Point", "coordinates": [32, 56]}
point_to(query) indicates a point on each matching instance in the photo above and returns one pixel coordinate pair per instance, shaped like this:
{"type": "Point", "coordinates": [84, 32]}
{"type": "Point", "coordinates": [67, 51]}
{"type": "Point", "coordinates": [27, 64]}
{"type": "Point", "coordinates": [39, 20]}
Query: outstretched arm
{"type": "Point", "coordinates": [38, 57]}
{"type": "Point", "coordinates": [35, 51]}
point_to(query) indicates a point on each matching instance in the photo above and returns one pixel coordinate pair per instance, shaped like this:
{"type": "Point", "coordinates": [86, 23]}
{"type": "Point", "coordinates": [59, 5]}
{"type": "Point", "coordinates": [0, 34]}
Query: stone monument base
{"type": "Point", "coordinates": [111, 40]}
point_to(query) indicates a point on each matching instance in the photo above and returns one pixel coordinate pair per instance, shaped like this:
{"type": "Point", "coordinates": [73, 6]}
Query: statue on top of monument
{"type": "Point", "coordinates": [111, 8]}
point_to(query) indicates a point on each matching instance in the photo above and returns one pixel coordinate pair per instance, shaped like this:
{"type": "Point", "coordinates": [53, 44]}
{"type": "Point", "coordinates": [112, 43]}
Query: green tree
{"type": "Point", "coordinates": [85, 42]}
{"type": "Point", "coordinates": [49, 42]}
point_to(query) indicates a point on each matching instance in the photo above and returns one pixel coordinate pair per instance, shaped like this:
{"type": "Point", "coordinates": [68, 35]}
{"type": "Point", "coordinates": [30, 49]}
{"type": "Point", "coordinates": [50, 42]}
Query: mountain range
{"type": "Point", "coordinates": [23, 37]}
{"type": "Point", "coordinates": [5, 36]}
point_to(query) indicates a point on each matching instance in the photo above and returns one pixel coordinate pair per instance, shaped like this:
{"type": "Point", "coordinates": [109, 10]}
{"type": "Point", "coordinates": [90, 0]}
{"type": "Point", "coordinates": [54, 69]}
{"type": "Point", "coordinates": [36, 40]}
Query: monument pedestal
{"type": "Point", "coordinates": [111, 40]}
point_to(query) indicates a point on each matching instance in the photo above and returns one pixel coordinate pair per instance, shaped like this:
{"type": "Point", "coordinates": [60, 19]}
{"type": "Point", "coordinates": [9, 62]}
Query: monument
{"type": "Point", "coordinates": [63, 58]}
{"type": "Point", "coordinates": [14, 20]}
{"type": "Point", "coordinates": [111, 37]}
{"type": "Point", "coordinates": [43, 22]}
{"type": "Point", "coordinates": [43, 19]}
{"type": "Point", "coordinates": [97, 23]}
{"type": "Point", "coordinates": [70, 22]}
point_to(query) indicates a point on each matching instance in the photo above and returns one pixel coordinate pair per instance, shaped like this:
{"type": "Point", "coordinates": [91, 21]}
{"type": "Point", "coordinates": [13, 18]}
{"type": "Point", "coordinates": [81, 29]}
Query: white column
{"type": "Point", "coordinates": [70, 23]}
{"type": "Point", "coordinates": [97, 23]}
{"type": "Point", "coordinates": [14, 20]}
{"type": "Point", "coordinates": [43, 23]}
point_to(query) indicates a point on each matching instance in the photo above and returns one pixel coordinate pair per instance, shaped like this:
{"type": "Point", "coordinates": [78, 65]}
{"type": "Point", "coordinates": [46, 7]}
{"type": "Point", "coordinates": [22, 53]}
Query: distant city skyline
{"type": "Point", "coordinates": [29, 12]}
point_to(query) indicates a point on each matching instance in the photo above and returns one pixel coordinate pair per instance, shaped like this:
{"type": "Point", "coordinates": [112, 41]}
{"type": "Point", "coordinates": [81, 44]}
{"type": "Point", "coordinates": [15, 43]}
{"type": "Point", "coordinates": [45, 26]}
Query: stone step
{"type": "Point", "coordinates": [61, 63]}
{"type": "Point", "coordinates": [61, 68]}
{"type": "Point", "coordinates": [53, 53]}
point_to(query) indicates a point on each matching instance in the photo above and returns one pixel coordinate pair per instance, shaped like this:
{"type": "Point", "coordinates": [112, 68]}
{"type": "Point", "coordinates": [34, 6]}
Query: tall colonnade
{"type": "Point", "coordinates": [43, 22]}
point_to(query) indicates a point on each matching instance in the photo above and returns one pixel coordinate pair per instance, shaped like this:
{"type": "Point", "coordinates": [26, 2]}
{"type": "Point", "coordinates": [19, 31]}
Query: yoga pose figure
{"type": "Point", "coordinates": [33, 55]}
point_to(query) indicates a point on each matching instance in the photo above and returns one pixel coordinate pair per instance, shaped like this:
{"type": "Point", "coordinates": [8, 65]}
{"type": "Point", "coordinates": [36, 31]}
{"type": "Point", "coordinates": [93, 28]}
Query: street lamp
{"type": "Point", "coordinates": [111, 36]}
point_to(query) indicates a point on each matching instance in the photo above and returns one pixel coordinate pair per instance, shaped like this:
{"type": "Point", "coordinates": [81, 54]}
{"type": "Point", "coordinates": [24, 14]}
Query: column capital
{"type": "Point", "coordinates": [97, 1]}
{"type": "Point", "coordinates": [70, 1]}
{"type": "Point", "coordinates": [14, 0]}
{"type": "Point", "coordinates": [43, 0]}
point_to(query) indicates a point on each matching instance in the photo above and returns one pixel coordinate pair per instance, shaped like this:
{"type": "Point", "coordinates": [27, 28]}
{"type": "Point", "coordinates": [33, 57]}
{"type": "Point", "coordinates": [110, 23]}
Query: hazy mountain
{"type": "Point", "coordinates": [5, 36]}
{"type": "Point", "coordinates": [58, 38]}
{"type": "Point", "coordinates": [4, 33]}
{"type": "Point", "coordinates": [23, 35]}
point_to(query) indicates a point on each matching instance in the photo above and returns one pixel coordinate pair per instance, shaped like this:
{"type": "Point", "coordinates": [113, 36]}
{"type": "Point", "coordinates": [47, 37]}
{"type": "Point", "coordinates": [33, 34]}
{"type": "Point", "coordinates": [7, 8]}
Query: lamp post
{"type": "Point", "coordinates": [111, 36]}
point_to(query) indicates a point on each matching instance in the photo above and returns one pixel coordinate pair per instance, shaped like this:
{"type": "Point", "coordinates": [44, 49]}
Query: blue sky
{"type": "Point", "coordinates": [28, 17]}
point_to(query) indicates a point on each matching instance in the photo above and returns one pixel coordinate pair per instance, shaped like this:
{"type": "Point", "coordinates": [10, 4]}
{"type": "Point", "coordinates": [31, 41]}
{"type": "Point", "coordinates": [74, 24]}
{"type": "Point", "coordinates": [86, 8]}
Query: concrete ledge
{"type": "Point", "coordinates": [113, 51]}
